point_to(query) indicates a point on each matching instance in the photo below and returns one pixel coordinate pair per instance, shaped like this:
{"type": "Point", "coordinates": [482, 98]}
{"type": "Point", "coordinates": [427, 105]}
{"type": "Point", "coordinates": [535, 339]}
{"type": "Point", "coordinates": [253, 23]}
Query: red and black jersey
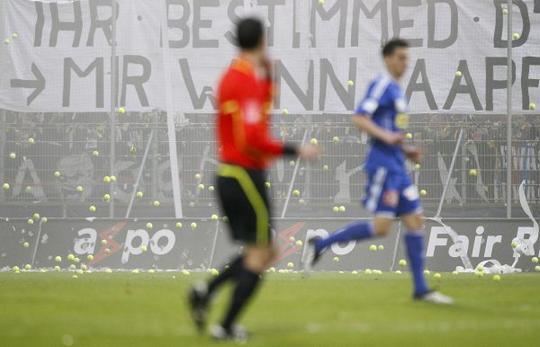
{"type": "Point", "coordinates": [243, 128]}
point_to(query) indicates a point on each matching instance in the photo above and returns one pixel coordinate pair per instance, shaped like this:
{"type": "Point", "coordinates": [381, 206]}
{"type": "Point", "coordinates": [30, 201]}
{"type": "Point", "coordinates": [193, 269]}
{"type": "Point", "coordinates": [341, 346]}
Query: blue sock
{"type": "Point", "coordinates": [355, 231]}
{"type": "Point", "coordinates": [414, 242]}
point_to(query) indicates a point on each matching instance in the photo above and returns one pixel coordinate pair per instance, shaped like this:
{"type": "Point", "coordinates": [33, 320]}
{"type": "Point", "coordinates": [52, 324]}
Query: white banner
{"type": "Point", "coordinates": [56, 57]}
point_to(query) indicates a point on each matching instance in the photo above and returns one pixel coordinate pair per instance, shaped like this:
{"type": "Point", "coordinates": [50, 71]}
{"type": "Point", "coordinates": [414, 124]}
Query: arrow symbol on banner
{"type": "Point", "coordinates": [37, 84]}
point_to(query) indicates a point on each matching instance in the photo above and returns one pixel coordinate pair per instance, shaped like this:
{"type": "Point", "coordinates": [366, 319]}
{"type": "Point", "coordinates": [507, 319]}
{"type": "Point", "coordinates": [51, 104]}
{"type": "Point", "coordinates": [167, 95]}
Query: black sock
{"type": "Point", "coordinates": [246, 283]}
{"type": "Point", "coordinates": [226, 274]}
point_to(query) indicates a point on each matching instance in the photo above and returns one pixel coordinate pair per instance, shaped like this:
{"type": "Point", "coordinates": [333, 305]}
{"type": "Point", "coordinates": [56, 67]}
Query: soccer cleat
{"type": "Point", "coordinates": [311, 256]}
{"type": "Point", "coordinates": [435, 297]}
{"type": "Point", "coordinates": [237, 333]}
{"type": "Point", "coordinates": [198, 305]}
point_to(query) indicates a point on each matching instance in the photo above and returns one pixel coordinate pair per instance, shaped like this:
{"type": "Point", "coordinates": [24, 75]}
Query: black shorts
{"type": "Point", "coordinates": [244, 200]}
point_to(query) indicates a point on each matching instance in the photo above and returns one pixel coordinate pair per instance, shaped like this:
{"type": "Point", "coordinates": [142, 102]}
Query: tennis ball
{"type": "Point", "coordinates": [108, 270]}
{"type": "Point", "coordinates": [44, 220]}
{"type": "Point", "coordinates": [350, 82]}
{"type": "Point", "coordinates": [285, 111]}
{"type": "Point", "coordinates": [70, 257]}
{"type": "Point", "coordinates": [335, 139]}
{"type": "Point", "coordinates": [95, 153]}
{"type": "Point", "coordinates": [423, 192]}
{"type": "Point", "coordinates": [15, 268]}
{"type": "Point", "coordinates": [139, 195]}
{"type": "Point", "coordinates": [113, 178]}
{"type": "Point", "coordinates": [12, 155]}
{"type": "Point", "coordinates": [272, 269]}
{"type": "Point", "coordinates": [267, 185]}
{"type": "Point", "coordinates": [200, 186]}
{"type": "Point", "coordinates": [156, 203]}
{"type": "Point", "coordinates": [322, 2]}
{"type": "Point", "coordinates": [367, 271]}
{"type": "Point", "coordinates": [36, 216]}
{"type": "Point", "coordinates": [214, 217]}
{"type": "Point", "coordinates": [479, 274]}
{"type": "Point", "coordinates": [76, 260]}
{"type": "Point", "coordinates": [193, 225]}
{"type": "Point", "coordinates": [26, 245]}
{"type": "Point", "coordinates": [178, 225]}
{"type": "Point", "coordinates": [89, 257]}
{"type": "Point", "coordinates": [84, 267]}
{"type": "Point", "coordinates": [402, 262]}
{"type": "Point", "coordinates": [144, 248]}
{"type": "Point", "coordinates": [417, 167]}
{"type": "Point", "coordinates": [516, 36]}
{"type": "Point", "coordinates": [31, 140]}
{"type": "Point", "coordinates": [514, 244]}
{"type": "Point", "coordinates": [534, 260]}
{"type": "Point", "coordinates": [57, 268]}
{"type": "Point", "coordinates": [106, 179]}
{"type": "Point", "coordinates": [537, 268]}
{"type": "Point", "coordinates": [336, 259]}
{"type": "Point", "coordinates": [28, 189]}
{"type": "Point", "coordinates": [292, 239]}
{"type": "Point", "coordinates": [5, 186]}
{"type": "Point", "coordinates": [296, 192]}
{"type": "Point", "coordinates": [505, 11]}
{"type": "Point", "coordinates": [459, 74]}
{"type": "Point", "coordinates": [122, 110]}
{"type": "Point", "coordinates": [290, 265]}
{"type": "Point", "coordinates": [380, 248]}
{"type": "Point", "coordinates": [58, 259]}
{"type": "Point", "coordinates": [354, 272]}
{"type": "Point", "coordinates": [149, 225]}
{"type": "Point", "coordinates": [27, 267]}
{"type": "Point", "coordinates": [185, 272]}
{"type": "Point", "coordinates": [92, 208]}
{"type": "Point", "coordinates": [342, 208]}
{"type": "Point", "coordinates": [496, 278]}
{"type": "Point", "coordinates": [197, 176]}
{"type": "Point", "coordinates": [373, 248]}
{"type": "Point", "coordinates": [107, 250]}
{"type": "Point", "coordinates": [75, 276]}
{"type": "Point", "coordinates": [79, 189]}
{"type": "Point", "coordinates": [335, 209]}
{"type": "Point", "coordinates": [151, 271]}
{"type": "Point", "coordinates": [302, 201]}
{"type": "Point", "coordinates": [30, 221]}
{"type": "Point", "coordinates": [314, 141]}
{"type": "Point", "coordinates": [292, 162]}
{"type": "Point", "coordinates": [408, 136]}
{"type": "Point", "coordinates": [135, 271]}
{"type": "Point", "coordinates": [325, 167]}
{"type": "Point", "coordinates": [7, 41]}
{"type": "Point", "coordinates": [107, 197]}
{"type": "Point", "coordinates": [104, 242]}
{"type": "Point", "coordinates": [532, 106]}
{"type": "Point", "coordinates": [214, 272]}
{"type": "Point", "coordinates": [455, 272]}
{"type": "Point", "coordinates": [427, 272]}
{"type": "Point", "coordinates": [437, 275]}
{"type": "Point", "coordinates": [473, 172]}
{"type": "Point", "coordinates": [398, 272]}
{"type": "Point", "coordinates": [211, 188]}
{"type": "Point", "coordinates": [299, 243]}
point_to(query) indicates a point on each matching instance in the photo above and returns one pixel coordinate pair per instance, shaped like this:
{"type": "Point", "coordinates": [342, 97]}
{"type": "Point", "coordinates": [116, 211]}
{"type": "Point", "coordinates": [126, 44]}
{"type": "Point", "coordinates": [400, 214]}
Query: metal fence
{"type": "Point", "coordinates": [59, 165]}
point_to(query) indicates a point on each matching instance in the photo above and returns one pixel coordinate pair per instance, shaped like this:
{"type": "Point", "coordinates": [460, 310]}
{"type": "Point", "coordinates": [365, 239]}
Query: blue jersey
{"type": "Point", "coordinates": [386, 105]}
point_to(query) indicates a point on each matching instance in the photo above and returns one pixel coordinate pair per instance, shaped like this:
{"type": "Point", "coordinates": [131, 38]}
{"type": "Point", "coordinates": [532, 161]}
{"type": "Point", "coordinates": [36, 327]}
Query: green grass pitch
{"type": "Point", "coordinates": [334, 310]}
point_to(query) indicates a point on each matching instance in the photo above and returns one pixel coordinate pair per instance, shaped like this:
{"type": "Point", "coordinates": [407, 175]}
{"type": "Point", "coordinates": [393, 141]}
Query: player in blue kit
{"type": "Point", "coordinates": [390, 192]}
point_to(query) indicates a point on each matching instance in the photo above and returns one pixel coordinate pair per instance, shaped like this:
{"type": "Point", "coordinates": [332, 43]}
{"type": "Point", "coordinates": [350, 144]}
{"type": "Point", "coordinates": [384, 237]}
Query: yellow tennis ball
{"type": "Point", "coordinates": [79, 189]}
{"type": "Point", "coordinates": [178, 225]}
{"type": "Point", "coordinates": [113, 178]}
{"type": "Point", "coordinates": [5, 186]}
{"type": "Point", "coordinates": [139, 194]}
{"type": "Point", "coordinates": [30, 221]}
{"type": "Point", "coordinates": [402, 262]}
{"type": "Point", "coordinates": [193, 225]}
{"type": "Point", "coordinates": [296, 192]}
{"type": "Point", "coordinates": [95, 153]}
{"type": "Point", "coordinates": [380, 247]}
{"type": "Point", "coordinates": [336, 259]}
{"type": "Point", "coordinates": [31, 140]}
{"type": "Point", "coordinates": [314, 141]}
{"type": "Point", "coordinates": [335, 209]}
{"type": "Point", "coordinates": [89, 257]}
{"type": "Point", "coordinates": [408, 136]}
{"type": "Point", "coordinates": [532, 106]}
{"type": "Point", "coordinates": [373, 248]}
{"type": "Point", "coordinates": [26, 245]}
{"type": "Point", "coordinates": [350, 82]}
{"type": "Point", "coordinates": [285, 111]}
{"type": "Point", "coordinates": [423, 192]}
{"type": "Point", "coordinates": [516, 36]}
{"type": "Point", "coordinates": [36, 216]}
{"type": "Point", "coordinates": [214, 217]}
{"type": "Point", "coordinates": [290, 265]}
{"type": "Point", "coordinates": [342, 208]}
{"type": "Point", "coordinates": [149, 225]}
{"type": "Point", "coordinates": [92, 208]}
{"type": "Point", "coordinates": [12, 155]}
{"type": "Point", "coordinates": [473, 172]}
{"type": "Point", "coordinates": [156, 203]}
{"type": "Point", "coordinates": [459, 74]}
{"type": "Point", "coordinates": [107, 197]}
{"type": "Point", "coordinates": [122, 110]}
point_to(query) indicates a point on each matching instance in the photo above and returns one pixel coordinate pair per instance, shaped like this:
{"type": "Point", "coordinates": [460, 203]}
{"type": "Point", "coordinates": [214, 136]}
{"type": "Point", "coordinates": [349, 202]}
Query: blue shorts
{"type": "Point", "coordinates": [380, 182]}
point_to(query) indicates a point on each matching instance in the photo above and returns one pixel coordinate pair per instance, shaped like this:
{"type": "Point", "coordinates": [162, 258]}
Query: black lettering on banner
{"type": "Point", "coordinates": [498, 41]}
{"type": "Point", "coordinates": [70, 65]}
{"type": "Point", "coordinates": [104, 24]}
{"type": "Point", "coordinates": [399, 24]}
{"type": "Point", "coordinates": [233, 17]}
{"type": "Point", "coordinates": [458, 88]}
{"type": "Point", "coordinates": [58, 25]}
{"type": "Point", "coordinates": [199, 23]}
{"type": "Point", "coordinates": [180, 24]}
{"type": "Point", "coordinates": [432, 15]}
{"type": "Point", "coordinates": [493, 84]}
{"type": "Point", "coordinates": [136, 81]}
{"type": "Point", "coordinates": [305, 98]}
{"type": "Point", "coordinates": [207, 93]}
{"type": "Point", "coordinates": [40, 23]}
{"type": "Point", "coordinates": [339, 7]}
{"type": "Point", "coordinates": [424, 86]}
{"type": "Point", "coordinates": [345, 94]}
{"type": "Point", "coordinates": [271, 4]}
{"type": "Point", "coordinates": [381, 7]}
{"type": "Point", "coordinates": [526, 81]}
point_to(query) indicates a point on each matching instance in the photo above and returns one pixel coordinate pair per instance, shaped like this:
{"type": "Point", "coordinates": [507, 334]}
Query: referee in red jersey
{"type": "Point", "coordinates": [246, 149]}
